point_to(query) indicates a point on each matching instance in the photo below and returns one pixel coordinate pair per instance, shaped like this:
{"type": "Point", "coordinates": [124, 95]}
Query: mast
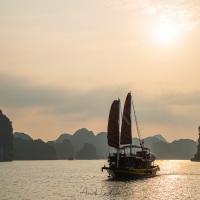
{"type": "Point", "coordinates": [119, 134]}
{"type": "Point", "coordinates": [131, 127]}
{"type": "Point", "coordinates": [137, 126]}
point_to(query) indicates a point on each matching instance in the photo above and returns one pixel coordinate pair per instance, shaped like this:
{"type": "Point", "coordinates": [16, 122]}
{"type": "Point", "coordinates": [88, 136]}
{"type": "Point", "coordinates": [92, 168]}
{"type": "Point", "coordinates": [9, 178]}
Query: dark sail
{"type": "Point", "coordinates": [126, 137]}
{"type": "Point", "coordinates": [113, 125]}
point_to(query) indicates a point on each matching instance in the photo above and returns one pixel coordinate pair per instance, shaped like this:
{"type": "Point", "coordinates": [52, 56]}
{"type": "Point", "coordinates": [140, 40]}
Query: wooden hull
{"type": "Point", "coordinates": [131, 172]}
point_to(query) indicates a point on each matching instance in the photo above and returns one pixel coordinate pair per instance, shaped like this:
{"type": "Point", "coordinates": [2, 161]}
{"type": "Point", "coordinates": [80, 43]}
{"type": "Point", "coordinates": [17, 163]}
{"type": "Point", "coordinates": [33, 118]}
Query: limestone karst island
{"type": "Point", "coordinates": [6, 138]}
{"type": "Point", "coordinates": [84, 145]}
{"type": "Point", "coordinates": [197, 155]}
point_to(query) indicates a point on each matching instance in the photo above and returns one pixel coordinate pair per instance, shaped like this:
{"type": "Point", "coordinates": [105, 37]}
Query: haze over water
{"type": "Point", "coordinates": [84, 180]}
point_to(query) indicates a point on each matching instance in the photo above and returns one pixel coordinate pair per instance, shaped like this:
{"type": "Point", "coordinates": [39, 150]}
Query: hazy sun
{"type": "Point", "coordinates": [166, 33]}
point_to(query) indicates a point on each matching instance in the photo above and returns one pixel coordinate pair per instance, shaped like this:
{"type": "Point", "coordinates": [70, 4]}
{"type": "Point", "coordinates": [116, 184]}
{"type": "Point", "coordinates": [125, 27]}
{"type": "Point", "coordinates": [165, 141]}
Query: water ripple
{"type": "Point", "coordinates": [84, 180]}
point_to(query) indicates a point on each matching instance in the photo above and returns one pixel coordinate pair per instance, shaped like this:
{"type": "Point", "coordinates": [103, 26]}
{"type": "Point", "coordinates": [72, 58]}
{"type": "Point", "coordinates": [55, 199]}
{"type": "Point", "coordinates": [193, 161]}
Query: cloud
{"type": "Point", "coordinates": [33, 17]}
{"type": "Point", "coordinates": [166, 108]}
{"type": "Point", "coordinates": [170, 108]}
{"type": "Point", "coordinates": [191, 98]}
{"type": "Point", "coordinates": [125, 4]}
{"type": "Point", "coordinates": [22, 93]}
{"type": "Point", "coordinates": [185, 13]}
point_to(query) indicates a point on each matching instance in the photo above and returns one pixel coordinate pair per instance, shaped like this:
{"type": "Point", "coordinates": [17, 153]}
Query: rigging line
{"type": "Point", "coordinates": [137, 125]}
{"type": "Point", "coordinates": [121, 123]}
{"type": "Point", "coordinates": [122, 117]}
{"type": "Point", "coordinates": [125, 119]}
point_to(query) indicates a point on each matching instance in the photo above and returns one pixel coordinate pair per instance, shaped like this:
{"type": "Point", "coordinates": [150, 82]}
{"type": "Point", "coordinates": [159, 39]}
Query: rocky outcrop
{"type": "Point", "coordinates": [88, 152]}
{"type": "Point", "coordinates": [64, 150]}
{"type": "Point", "coordinates": [33, 150]}
{"type": "Point", "coordinates": [182, 149]}
{"type": "Point", "coordinates": [22, 136]}
{"type": "Point", "coordinates": [6, 138]}
{"type": "Point", "coordinates": [197, 155]}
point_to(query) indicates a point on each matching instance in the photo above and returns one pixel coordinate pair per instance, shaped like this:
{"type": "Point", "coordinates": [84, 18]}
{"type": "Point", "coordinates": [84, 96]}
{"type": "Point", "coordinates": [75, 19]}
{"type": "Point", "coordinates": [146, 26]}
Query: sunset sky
{"type": "Point", "coordinates": [64, 62]}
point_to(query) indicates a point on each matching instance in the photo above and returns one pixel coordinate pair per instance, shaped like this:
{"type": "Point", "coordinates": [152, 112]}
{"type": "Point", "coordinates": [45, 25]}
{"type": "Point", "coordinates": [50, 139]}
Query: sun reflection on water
{"type": "Point", "coordinates": [84, 180]}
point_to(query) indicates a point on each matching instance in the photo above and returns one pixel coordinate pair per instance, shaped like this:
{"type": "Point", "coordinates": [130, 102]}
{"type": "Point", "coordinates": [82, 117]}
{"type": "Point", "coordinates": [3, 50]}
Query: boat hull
{"type": "Point", "coordinates": [132, 172]}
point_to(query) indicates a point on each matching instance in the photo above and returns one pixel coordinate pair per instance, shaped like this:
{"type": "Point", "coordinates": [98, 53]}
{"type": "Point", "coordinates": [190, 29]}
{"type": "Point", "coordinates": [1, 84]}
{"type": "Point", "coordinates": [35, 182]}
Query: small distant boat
{"type": "Point", "coordinates": [129, 161]}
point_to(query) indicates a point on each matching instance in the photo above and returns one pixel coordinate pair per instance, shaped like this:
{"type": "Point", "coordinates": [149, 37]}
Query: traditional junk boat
{"type": "Point", "coordinates": [130, 161]}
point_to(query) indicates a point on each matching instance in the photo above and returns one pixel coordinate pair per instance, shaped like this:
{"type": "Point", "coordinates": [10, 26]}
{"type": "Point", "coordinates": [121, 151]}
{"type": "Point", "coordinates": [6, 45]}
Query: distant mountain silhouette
{"type": "Point", "coordinates": [148, 142]}
{"type": "Point", "coordinates": [79, 138]}
{"type": "Point", "coordinates": [100, 143]}
{"type": "Point", "coordinates": [160, 137]}
{"type": "Point", "coordinates": [87, 152]}
{"type": "Point", "coordinates": [33, 150]}
{"type": "Point", "coordinates": [83, 144]}
{"type": "Point", "coordinates": [64, 150]}
{"type": "Point", "coordinates": [22, 136]}
{"type": "Point", "coordinates": [83, 136]}
{"type": "Point", "coordinates": [63, 137]}
{"type": "Point", "coordinates": [161, 149]}
{"type": "Point", "coordinates": [179, 149]}
{"type": "Point", "coordinates": [182, 149]}
{"type": "Point", "coordinates": [6, 138]}
{"type": "Point", "coordinates": [75, 146]}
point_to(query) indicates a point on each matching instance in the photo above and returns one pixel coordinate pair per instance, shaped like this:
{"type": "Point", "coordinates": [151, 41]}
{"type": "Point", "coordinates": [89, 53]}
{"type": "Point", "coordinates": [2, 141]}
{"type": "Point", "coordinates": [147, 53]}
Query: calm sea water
{"type": "Point", "coordinates": [84, 180]}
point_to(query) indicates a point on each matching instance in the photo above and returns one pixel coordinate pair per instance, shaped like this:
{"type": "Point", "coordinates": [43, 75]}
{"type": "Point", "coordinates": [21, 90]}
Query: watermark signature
{"type": "Point", "coordinates": [102, 191]}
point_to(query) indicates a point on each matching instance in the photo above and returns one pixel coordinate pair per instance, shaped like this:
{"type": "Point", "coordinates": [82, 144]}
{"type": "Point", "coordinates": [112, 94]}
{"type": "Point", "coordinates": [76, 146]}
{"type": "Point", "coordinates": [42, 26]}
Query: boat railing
{"type": "Point", "coordinates": [112, 154]}
{"type": "Point", "coordinates": [133, 146]}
